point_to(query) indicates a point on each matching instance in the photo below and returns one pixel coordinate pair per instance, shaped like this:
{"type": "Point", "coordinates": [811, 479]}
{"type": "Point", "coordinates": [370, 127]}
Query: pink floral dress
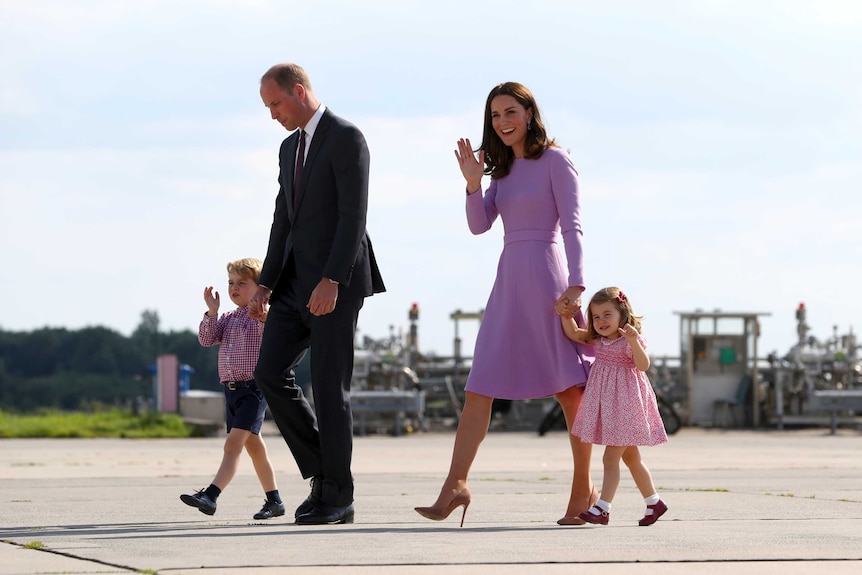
{"type": "Point", "coordinates": [619, 406]}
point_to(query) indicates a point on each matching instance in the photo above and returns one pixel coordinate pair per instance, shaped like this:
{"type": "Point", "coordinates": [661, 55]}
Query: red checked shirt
{"type": "Point", "coordinates": [239, 336]}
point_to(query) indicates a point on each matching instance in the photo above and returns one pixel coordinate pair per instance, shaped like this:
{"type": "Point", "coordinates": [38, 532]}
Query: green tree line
{"type": "Point", "coordinates": [76, 370]}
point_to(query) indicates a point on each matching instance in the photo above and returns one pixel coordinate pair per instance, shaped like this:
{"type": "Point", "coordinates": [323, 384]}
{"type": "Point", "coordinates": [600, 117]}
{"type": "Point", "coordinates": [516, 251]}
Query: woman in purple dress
{"type": "Point", "coordinates": [521, 351]}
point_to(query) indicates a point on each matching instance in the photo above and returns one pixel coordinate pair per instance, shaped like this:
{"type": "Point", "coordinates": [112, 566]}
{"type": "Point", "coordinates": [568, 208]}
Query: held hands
{"type": "Point", "coordinates": [257, 305]}
{"type": "Point", "coordinates": [323, 298]}
{"type": "Point", "coordinates": [212, 300]}
{"type": "Point", "coordinates": [569, 302]}
{"type": "Point", "coordinates": [262, 318]}
{"type": "Point", "coordinates": [471, 167]}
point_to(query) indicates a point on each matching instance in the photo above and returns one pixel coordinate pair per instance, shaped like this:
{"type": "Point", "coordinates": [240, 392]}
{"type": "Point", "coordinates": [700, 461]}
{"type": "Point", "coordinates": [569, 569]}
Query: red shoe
{"type": "Point", "coordinates": [590, 517]}
{"type": "Point", "coordinates": [658, 510]}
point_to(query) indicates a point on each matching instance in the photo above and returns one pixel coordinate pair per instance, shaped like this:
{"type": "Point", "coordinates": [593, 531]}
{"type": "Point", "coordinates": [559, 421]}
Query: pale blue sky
{"type": "Point", "coordinates": [718, 144]}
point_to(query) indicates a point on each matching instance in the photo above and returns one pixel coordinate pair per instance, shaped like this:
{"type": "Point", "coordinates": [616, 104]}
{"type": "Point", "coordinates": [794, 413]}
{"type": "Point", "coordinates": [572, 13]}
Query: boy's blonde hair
{"type": "Point", "coordinates": [248, 268]}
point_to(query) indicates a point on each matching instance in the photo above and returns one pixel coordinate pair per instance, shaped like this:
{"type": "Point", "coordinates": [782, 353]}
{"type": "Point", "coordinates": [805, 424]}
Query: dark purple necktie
{"type": "Point", "coordinates": [297, 172]}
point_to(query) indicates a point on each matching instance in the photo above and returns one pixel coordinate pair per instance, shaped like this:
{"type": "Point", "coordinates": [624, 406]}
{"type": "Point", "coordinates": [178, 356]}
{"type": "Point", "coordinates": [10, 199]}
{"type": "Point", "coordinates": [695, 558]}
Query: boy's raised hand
{"type": "Point", "coordinates": [212, 301]}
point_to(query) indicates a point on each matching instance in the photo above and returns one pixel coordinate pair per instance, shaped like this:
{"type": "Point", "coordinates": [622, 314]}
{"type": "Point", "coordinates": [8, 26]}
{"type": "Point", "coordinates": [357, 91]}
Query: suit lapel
{"type": "Point", "coordinates": [319, 137]}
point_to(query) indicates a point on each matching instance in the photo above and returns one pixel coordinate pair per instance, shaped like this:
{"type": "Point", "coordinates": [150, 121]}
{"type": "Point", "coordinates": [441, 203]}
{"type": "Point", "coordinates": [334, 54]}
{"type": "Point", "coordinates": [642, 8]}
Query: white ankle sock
{"type": "Point", "coordinates": [651, 500]}
{"type": "Point", "coordinates": [601, 505]}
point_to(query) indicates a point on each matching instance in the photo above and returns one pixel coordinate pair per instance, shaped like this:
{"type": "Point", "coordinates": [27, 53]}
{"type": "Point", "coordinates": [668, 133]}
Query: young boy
{"type": "Point", "coordinates": [239, 336]}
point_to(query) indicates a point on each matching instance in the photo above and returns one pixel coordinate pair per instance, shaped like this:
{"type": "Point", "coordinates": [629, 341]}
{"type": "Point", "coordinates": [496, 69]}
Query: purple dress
{"type": "Point", "coordinates": [521, 351]}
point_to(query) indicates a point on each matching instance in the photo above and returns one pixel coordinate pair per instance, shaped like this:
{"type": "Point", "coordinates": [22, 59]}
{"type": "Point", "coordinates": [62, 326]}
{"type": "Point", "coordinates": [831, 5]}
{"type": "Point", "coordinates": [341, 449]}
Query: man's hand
{"type": "Point", "coordinates": [323, 298]}
{"type": "Point", "coordinates": [258, 302]}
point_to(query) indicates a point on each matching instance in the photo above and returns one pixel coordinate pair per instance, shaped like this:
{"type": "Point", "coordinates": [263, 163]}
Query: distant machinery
{"type": "Point", "coordinates": [817, 377]}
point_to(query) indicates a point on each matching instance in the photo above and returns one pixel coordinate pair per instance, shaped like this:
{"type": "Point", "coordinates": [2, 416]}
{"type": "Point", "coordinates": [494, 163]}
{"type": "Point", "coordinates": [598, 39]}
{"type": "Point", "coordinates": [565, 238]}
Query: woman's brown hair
{"type": "Point", "coordinates": [498, 156]}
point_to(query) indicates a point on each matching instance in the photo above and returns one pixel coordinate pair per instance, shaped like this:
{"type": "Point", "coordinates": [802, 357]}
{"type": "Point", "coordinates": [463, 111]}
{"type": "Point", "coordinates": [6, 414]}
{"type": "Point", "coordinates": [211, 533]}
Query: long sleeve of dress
{"type": "Point", "coordinates": [482, 209]}
{"type": "Point", "coordinates": [564, 183]}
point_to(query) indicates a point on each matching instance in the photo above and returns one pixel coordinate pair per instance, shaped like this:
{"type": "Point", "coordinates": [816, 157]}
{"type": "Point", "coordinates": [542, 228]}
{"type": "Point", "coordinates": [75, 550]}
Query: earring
{"type": "Point", "coordinates": [529, 125]}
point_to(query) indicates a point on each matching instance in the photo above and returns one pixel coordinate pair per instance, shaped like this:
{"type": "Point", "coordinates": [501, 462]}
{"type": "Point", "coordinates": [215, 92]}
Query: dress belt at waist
{"type": "Point", "coordinates": [549, 236]}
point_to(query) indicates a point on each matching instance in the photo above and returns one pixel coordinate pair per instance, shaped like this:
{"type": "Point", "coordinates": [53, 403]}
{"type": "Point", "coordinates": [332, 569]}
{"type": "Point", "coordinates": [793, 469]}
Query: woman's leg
{"type": "Point", "coordinates": [472, 428]}
{"type": "Point", "coordinates": [581, 496]}
{"type": "Point", "coordinates": [256, 449]}
{"type": "Point", "coordinates": [230, 460]}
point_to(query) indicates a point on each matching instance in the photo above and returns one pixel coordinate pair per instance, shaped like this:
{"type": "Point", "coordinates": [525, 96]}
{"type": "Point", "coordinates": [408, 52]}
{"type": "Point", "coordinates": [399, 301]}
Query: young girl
{"type": "Point", "coordinates": [618, 409]}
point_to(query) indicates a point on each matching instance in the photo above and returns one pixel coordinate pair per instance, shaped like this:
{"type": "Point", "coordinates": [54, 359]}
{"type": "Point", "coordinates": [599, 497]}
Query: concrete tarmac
{"type": "Point", "coordinates": [750, 502]}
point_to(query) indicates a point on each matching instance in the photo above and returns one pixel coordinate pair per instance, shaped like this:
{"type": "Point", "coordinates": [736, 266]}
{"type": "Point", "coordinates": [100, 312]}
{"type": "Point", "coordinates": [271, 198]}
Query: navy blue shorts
{"type": "Point", "coordinates": [244, 407]}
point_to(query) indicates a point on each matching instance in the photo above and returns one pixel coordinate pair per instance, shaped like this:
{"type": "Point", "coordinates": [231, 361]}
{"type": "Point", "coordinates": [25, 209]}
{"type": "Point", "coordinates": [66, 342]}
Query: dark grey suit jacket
{"type": "Point", "coordinates": [325, 233]}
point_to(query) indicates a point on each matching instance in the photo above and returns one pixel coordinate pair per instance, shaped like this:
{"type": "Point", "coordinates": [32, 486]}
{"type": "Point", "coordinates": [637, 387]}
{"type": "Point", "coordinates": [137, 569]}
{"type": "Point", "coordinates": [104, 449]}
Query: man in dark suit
{"type": "Point", "coordinates": [319, 267]}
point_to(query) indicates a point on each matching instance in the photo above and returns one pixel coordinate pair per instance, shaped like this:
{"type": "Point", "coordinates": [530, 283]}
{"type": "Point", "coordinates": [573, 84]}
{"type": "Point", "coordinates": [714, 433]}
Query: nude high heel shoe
{"type": "Point", "coordinates": [576, 520]}
{"type": "Point", "coordinates": [440, 513]}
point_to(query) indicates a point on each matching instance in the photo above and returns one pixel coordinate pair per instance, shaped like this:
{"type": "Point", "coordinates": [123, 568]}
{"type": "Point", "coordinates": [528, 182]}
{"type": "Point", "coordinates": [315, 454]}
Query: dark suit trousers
{"type": "Point", "coordinates": [321, 440]}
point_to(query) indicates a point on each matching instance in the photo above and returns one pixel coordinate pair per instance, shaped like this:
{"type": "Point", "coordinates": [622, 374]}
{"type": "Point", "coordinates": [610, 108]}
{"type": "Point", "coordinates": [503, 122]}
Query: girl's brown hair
{"type": "Point", "coordinates": [615, 296]}
{"type": "Point", "coordinates": [498, 156]}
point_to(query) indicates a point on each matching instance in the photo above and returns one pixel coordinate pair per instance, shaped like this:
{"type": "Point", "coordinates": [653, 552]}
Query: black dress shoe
{"type": "Point", "coordinates": [200, 500]}
{"type": "Point", "coordinates": [313, 498]}
{"type": "Point", "coordinates": [270, 509]}
{"type": "Point", "coordinates": [325, 514]}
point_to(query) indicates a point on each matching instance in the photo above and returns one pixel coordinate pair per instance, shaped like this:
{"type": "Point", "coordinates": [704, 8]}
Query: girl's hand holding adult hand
{"type": "Point", "coordinates": [472, 167]}
{"type": "Point", "coordinates": [569, 302]}
{"type": "Point", "coordinates": [561, 308]}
